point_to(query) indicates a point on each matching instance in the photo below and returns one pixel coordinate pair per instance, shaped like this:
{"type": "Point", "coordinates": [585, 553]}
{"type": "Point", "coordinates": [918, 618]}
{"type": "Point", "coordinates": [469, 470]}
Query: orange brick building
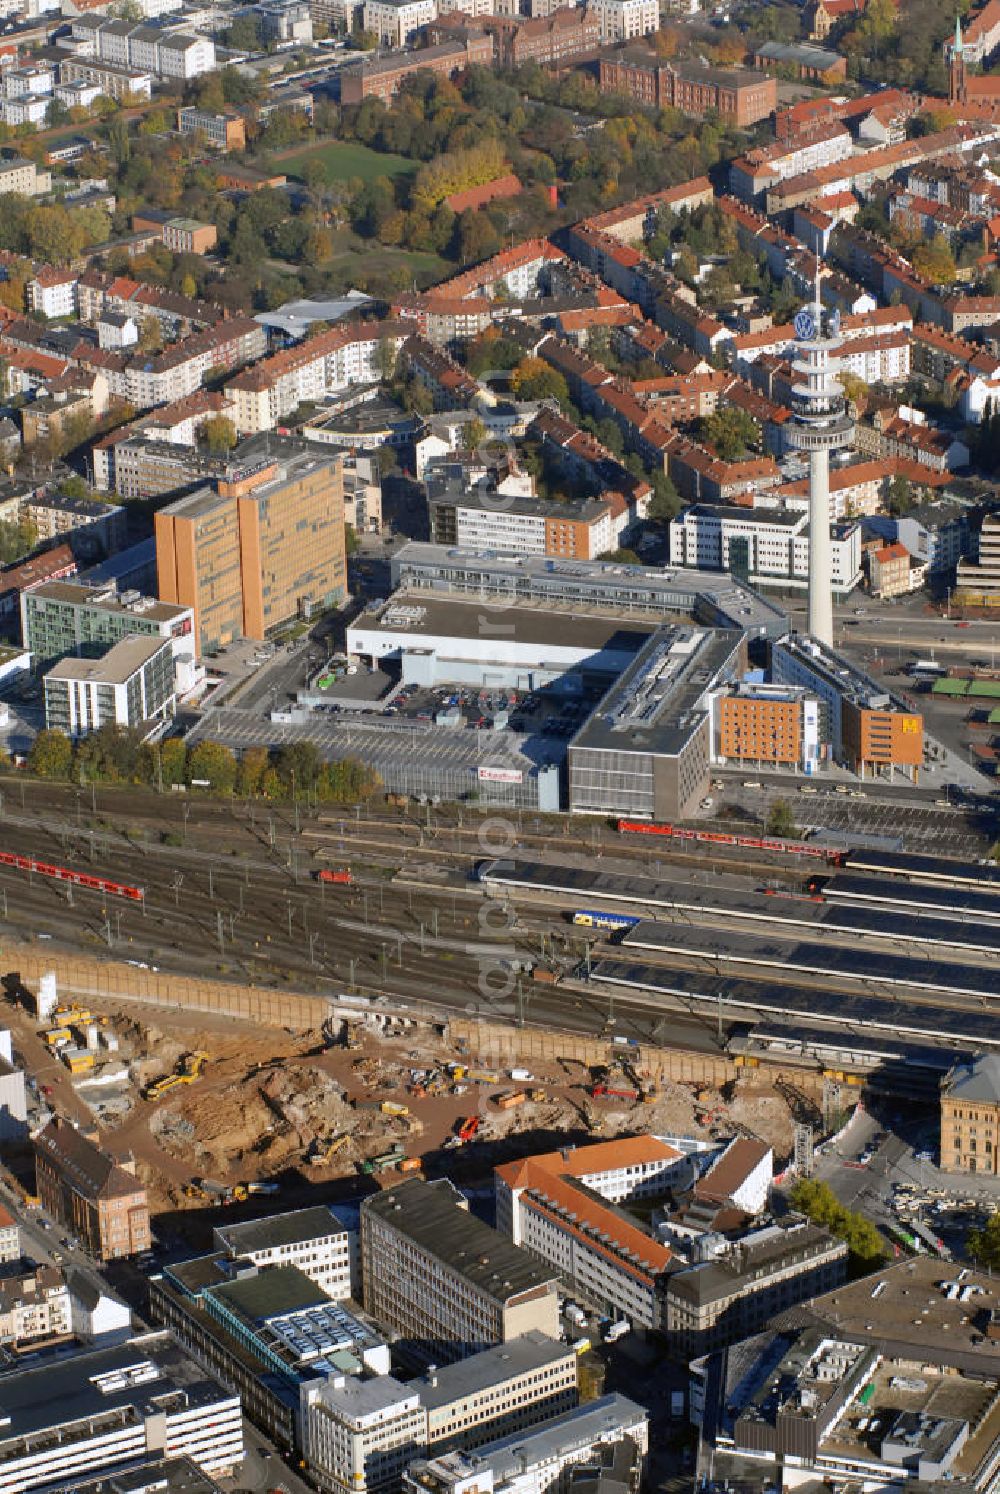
{"type": "Point", "coordinates": [741, 96]}
{"type": "Point", "coordinates": [769, 724]}
{"type": "Point", "coordinates": [876, 739]}
{"type": "Point", "coordinates": [89, 1193]}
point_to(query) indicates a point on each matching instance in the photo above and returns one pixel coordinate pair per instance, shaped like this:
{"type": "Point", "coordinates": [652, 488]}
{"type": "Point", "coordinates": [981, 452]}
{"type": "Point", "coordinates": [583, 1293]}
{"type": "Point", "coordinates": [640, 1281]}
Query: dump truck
{"type": "Point", "coordinates": [509, 1099]}
{"type": "Point", "coordinates": [409, 1164]}
{"type": "Point", "coordinates": [468, 1128]}
{"type": "Point", "coordinates": [383, 1161]}
{"type": "Point", "coordinates": [612, 1092]}
{"type": "Point", "coordinates": [392, 1107]}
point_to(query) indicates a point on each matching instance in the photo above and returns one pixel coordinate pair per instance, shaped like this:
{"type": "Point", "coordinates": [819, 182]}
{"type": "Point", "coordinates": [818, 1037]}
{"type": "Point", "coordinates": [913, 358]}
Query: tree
{"type": "Point", "coordinates": [534, 379]}
{"type": "Point", "coordinates": [253, 764]}
{"type": "Point", "coordinates": [853, 385]}
{"type": "Point", "coordinates": [899, 495]}
{"type": "Point", "coordinates": [621, 557]}
{"type": "Point", "coordinates": [820, 1204]}
{"type": "Point", "coordinates": [298, 767]}
{"type": "Point", "coordinates": [244, 34]}
{"type": "Point", "coordinates": [983, 1245]}
{"type": "Point", "coordinates": [935, 261]}
{"type": "Point", "coordinates": [730, 432]}
{"type": "Point", "coordinates": [665, 503]}
{"type": "Point", "coordinates": [51, 755]}
{"type": "Point", "coordinates": [17, 537]}
{"type": "Point", "coordinates": [215, 763]}
{"type": "Point", "coordinates": [217, 434]}
{"type": "Point", "coordinates": [781, 820]}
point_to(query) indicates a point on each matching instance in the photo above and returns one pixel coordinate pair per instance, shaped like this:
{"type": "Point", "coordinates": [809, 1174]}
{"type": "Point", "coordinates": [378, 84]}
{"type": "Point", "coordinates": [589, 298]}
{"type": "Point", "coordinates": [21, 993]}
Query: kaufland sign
{"type": "Point", "coordinates": [500, 775]}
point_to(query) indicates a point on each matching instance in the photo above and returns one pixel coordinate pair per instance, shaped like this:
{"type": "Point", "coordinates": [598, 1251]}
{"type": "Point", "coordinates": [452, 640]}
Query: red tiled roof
{"type": "Point", "coordinates": [477, 197]}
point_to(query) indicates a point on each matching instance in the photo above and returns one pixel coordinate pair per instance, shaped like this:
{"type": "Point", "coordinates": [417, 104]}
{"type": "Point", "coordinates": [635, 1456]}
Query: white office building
{"type": "Point", "coordinates": [358, 1436]}
{"type": "Point", "coordinates": [109, 1408]}
{"type": "Point", "coordinates": [538, 1461]}
{"type": "Point", "coordinates": [764, 546]}
{"type": "Point", "coordinates": [395, 22]}
{"type": "Point", "coordinates": [624, 20]}
{"type": "Point", "coordinates": [312, 1239]}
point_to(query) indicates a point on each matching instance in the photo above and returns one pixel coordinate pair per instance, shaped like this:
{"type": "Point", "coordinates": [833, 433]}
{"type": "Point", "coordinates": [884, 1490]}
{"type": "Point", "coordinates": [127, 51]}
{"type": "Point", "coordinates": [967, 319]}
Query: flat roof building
{"type": "Point", "coordinates": [444, 1282]}
{"type": "Point", "coordinates": [645, 751]}
{"type": "Point", "coordinates": [499, 1392]}
{"type": "Point", "coordinates": [132, 684]}
{"type": "Point", "coordinates": [863, 724]}
{"type": "Point", "coordinates": [259, 549]}
{"type": "Point", "coordinates": [714, 599]}
{"type": "Point", "coordinates": [110, 1408]}
{"type": "Point", "coordinates": [314, 1240]}
{"type": "Point", "coordinates": [59, 618]}
{"type": "Point", "coordinates": [536, 1461]}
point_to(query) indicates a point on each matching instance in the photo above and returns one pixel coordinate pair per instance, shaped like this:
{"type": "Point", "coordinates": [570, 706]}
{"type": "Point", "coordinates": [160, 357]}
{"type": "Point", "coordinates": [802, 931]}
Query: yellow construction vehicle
{"type": "Point", "coordinates": [188, 1070]}
{"type": "Point", "coordinates": [328, 1149]}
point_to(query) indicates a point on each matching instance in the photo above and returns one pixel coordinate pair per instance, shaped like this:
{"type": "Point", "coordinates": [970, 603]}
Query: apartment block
{"type": "Point", "coordinates": [314, 1240]}
{"type": "Point", "coordinates": [329, 363]}
{"type": "Point", "coordinates": [395, 22]}
{"type": "Point", "coordinates": [123, 84]}
{"type": "Point", "coordinates": [562, 1206]}
{"type": "Point", "coordinates": [90, 1193]}
{"type": "Point", "coordinates": [970, 1116]}
{"type": "Point", "coordinates": [255, 551]}
{"type": "Point", "coordinates": [54, 515]}
{"type": "Point", "coordinates": [164, 53]}
{"type": "Point", "coordinates": [10, 1237]}
{"type": "Point", "coordinates": [22, 178]}
{"type": "Point", "coordinates": [444, 1282]}
{"type": "Point", "coordinates": [624, 20]}
{"type": "Point", "coordinates": [103, 1411]}
{"type": "Point", "coordinates": [34, 1308]}
{"type": "Point", "coordinates": [133, 684]}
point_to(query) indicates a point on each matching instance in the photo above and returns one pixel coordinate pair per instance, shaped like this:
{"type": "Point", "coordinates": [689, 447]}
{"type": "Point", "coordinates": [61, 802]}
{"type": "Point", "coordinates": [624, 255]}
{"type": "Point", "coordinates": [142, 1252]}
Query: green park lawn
{"type": "Point", "coordinates": [344, 159]}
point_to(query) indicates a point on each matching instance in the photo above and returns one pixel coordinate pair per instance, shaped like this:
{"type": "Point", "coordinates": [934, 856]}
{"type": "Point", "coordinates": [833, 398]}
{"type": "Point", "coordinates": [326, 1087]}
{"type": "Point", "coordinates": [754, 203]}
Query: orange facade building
{"type": "Point", "coordinates": [255, 551]}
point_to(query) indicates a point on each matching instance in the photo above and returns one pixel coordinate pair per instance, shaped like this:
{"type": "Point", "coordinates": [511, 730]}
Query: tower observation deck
{"type": "Point", "coordinates": [821, 424]}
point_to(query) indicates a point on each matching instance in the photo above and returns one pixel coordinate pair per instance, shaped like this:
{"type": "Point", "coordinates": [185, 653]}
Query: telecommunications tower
{"type": "Point", "coordinates": [822, 424]}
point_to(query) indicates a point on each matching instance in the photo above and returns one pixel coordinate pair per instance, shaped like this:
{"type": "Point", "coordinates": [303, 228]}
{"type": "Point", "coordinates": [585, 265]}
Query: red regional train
{"type": "Point", "coordinates": [78, 879]}
{"type": "Point", "coordinates": [719, 837]}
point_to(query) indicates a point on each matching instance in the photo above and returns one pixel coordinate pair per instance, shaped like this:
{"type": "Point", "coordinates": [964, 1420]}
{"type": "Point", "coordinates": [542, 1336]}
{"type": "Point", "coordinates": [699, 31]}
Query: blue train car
{"type": "Point", "coordinates": [597, 919]}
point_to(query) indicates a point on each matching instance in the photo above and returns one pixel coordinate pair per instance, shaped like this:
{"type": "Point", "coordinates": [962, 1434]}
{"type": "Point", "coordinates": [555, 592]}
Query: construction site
{"type": "Point", "coordinates": [214, 1109]}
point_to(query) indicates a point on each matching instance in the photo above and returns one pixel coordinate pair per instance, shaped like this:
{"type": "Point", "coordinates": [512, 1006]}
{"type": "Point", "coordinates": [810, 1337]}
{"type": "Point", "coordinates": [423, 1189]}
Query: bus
{"type": "Point", "coordinates": [927, 669]}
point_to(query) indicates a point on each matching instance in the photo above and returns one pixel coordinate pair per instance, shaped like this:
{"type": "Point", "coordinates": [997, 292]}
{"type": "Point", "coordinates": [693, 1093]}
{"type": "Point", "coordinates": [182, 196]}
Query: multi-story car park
{"type": "Point", "coordinates": [715, 600]}
{"type": "Point", "coordinates": [444, 1282]}
{"type": "Point", "coordinates": [646, 751]}
{"type": "Point", "coordinates": [107, 1409]}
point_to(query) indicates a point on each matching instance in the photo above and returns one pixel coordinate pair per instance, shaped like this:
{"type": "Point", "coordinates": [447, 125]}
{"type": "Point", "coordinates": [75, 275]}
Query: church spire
{"type": "Point", "coordinates": [958, 44]}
